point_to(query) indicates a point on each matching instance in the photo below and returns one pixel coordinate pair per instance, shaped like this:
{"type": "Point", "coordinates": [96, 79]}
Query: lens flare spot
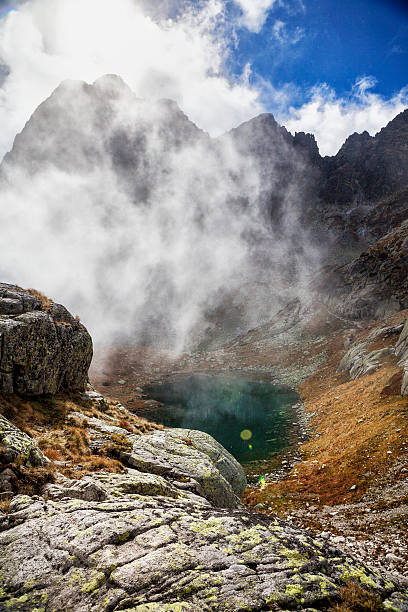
{"type": "Point", "coordinates": [262, 481]}
{"type": "Point", "coordinates": [250, 446]}
{"type": "Point", "coordinates": [6, 11]}
{"type": "Point", "coordinates": [246, 434]}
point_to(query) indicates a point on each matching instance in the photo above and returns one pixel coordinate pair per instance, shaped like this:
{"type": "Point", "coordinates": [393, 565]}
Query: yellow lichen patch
{"type": "Point", "coordinates": [293, 558]}
{"type": "Point", "coordinates": [208, 527]}
{"type": "Point", "coordinates": [248, 538]}
{"type": "Point", "coordinates": [96, 581]}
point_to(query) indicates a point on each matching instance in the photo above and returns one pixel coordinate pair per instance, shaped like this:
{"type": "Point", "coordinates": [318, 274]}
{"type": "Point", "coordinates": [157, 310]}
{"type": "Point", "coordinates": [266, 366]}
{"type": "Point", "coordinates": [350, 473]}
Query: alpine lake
{"type": "Point", "coordinates": [255, 420]}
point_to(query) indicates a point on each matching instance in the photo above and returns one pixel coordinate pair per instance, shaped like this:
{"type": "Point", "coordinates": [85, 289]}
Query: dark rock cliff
{"type": "Point", "coordinates": [373, 285]}
{"type": "Point", "coordinates": [368, 168]}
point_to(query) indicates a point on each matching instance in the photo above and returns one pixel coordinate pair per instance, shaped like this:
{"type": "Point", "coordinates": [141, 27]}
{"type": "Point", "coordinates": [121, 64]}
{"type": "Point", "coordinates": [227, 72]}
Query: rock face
{"type": "Point", "coordinates": [105, 124]}
{"type": "Point", "coordinates": [43, 349]}
{"type": "Point", "coordinates": [373, 285]}
{"type": "Point", "coordinates": [138, 542]}
{"type": "Point", "coordinates": [368, 168]}
{"type": "Point", "coordinates": [401, 350]}
{"type": "Point", "coordinates": [287, 166]}
{"type": "Point", "coordinates": [359, 193]}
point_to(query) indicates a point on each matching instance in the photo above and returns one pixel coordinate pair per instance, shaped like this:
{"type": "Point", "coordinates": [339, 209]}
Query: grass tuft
{"type": "Point", "coordinates": [354, 598]}
{"type": "Point", "coordinates": [45, 301]}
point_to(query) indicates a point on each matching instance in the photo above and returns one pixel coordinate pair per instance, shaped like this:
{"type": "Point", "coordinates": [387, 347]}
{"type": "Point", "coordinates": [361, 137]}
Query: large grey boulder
{"type": "Point", "coordinates": [135, 542]}
{"type": "Point", "coordinates": [43, 348]}
{"type": "Point", "coordinates": [192, 458]}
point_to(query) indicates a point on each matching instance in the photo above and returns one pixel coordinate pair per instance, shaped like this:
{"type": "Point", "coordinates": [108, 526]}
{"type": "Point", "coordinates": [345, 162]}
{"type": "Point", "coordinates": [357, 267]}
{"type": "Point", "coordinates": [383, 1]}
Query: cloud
{"type": "Point", "coordinates": [285, 36]}
{"type": "Point", "coordinates": [47, 41]}
{"type": "Point", "coordinates": [254, 13]}
{"type": "Point", "coordinates": [333, 118]}
{"type": "Point", "coordinates": [143, 225]}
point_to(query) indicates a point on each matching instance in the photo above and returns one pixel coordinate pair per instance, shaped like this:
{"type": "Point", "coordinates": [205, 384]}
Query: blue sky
{"type": "Point", "coordinates": [330, 67]}
{"type": "Point", "coordinates": [330, 41]}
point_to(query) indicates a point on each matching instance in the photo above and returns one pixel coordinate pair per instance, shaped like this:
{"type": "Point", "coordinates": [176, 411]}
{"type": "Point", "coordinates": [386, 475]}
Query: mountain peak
{"type": "Point", "coordinates": [111, 85]}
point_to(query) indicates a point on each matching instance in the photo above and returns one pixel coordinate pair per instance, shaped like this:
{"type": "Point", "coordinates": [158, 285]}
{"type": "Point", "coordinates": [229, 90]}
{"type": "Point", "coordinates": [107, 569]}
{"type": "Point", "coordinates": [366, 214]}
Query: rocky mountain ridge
{"type": "Point", "coordinates": [105, 123]}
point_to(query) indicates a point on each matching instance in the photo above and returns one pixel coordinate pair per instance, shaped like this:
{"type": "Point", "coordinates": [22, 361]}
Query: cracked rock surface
{"type": "Point", "coordinates": [43, 349]}
{"type": "Point", "coordinates": [138, 542]}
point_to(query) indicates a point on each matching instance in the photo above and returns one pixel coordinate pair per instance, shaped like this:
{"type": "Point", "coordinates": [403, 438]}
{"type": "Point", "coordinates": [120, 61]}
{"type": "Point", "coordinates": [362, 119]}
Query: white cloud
{"type": "Point", "coordinates": [285, 36]}
{"type": "Point", "coordinates": [254, 13]}
{"type": "Point", "coordinates": [332, 119]}
{"type": "Point", "coordinates": [278, 29]}
{"type": "Point", "coordinates": [47, 41]}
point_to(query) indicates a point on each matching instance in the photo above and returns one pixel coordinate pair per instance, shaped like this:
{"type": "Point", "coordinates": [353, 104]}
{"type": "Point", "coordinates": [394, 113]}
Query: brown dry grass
{"type": "Point", "coordinates": [52, 453]}
{"type": "Point", "coordinates": [5, 505]}
{"type": "Point", "coordinates": [354, 598]}
{"type": "Point", "coordinates": [65, 438]}
{"type": "Point", "coordinates": [45, 301]}
{"type": "Point", "coordinates": [124, 424]}
{"type": "Point", "coordinates": [30, 480]}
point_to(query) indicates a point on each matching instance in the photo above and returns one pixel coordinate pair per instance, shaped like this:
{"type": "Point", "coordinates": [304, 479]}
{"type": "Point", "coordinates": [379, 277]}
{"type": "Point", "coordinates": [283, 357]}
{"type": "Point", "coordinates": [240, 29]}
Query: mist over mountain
{"type": "Point", "coordinates": [133, 216]}
{"type": "Point", "coordinates": [143, 223]}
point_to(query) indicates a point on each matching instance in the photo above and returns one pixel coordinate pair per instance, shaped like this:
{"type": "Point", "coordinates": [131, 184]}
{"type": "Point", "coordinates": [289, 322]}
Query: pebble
{"type": "Point", "coordinates": [259, 507]}
{"type": "Point", "coordinates": [338, 539]}
{"type": "Point", "coordinates": [391, 558]}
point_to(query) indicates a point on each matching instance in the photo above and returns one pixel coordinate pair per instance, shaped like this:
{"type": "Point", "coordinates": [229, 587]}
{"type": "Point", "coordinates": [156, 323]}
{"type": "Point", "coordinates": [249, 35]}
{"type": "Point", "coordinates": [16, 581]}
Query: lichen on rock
{"type": "Point", "coordinates": [141, 544]}
{"type": "Point", "coordinates": [15, 444]}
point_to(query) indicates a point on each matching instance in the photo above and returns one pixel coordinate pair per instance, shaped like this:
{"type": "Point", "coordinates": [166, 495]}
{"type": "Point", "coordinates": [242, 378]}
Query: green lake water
{"type": "Point", "coordinates": [252, 419]}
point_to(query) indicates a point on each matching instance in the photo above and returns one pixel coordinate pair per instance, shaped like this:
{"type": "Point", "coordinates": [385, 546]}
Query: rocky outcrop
{"type": "Point", "coordinates": [401, 350]}
{"type": "Point", "coordinates": [15, 444]}
{"type": "Point", "coordinates": [192, 458]}
{"type": "Point", "coordinates": [134, 541]}
{"type": "Point", "coordinates": [360, 362]}
{"type": "Point", "coordinates": [374, 285]}
{"type": "Point", "coordinates": [367, 168]}
{"type": "Point", "coordinates": [43, 348]}
{"type": "Point", "coordinates": [195, 460]}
